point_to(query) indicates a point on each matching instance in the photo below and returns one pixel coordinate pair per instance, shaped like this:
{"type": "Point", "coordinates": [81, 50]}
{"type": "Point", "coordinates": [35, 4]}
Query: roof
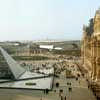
{"type": "Point", "coordinates": [46, 46]}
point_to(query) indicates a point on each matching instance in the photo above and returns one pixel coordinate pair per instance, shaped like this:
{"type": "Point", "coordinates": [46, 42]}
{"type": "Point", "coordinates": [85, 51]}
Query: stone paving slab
{"type": "Point", "coordinates": [80, 91]}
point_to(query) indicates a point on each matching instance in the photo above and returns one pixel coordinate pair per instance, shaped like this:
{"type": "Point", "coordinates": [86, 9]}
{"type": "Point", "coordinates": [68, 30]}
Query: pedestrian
{"type": "Point", "coordinates": [44, 91]}
{"type": "Point", "coordinates": [70, 89]}
{"type": "Point", "coordinates": [41, 98]}
{"type": "Point", "coordinates": [61, 97]}
{"type": "Point", "coordinates": [88, 86]}
{"type": "Point", "coordinates": [54, 90]}
{"type": "Point", "coordinates": [59, 94]}
{"type": "Point", "coordinates": [65, 97]}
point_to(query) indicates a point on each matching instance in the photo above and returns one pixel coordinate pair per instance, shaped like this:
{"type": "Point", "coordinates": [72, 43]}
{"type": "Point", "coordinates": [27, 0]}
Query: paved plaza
{"type": "Point", "coordinates": [79, 91]}
{"type": "Point", "coordinates": [79, 87]}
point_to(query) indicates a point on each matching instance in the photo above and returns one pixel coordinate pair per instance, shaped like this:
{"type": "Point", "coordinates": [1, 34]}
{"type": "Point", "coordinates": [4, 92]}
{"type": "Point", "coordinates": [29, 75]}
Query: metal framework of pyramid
{"type": "Point", "coordinates": [12, 66]}
{"type": "Point", "coordinates": [12, 75]}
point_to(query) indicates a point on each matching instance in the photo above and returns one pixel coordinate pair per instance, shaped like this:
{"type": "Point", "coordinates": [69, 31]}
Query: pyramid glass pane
{"type": "Point", "coordinates": [5, 72]}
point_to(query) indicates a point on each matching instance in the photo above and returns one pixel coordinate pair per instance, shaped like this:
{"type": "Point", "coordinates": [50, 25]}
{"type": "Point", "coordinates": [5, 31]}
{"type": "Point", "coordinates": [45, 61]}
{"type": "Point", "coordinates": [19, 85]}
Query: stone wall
{"type": "Point", "coordinates": [90, 50]}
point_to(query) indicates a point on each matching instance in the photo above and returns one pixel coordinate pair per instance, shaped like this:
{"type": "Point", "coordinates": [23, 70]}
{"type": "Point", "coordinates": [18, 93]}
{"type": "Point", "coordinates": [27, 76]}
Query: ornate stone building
{"type": "Point", "coordinates": [91, 48]}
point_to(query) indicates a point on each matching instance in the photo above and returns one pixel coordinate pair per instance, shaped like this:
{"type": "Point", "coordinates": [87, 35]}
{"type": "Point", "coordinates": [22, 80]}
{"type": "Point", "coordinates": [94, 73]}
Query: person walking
{"type": "Point", "coordinates": [61, 97]}
{"type": "Point", "coordinates": [65, 98]}
{"type": "Point", "coordinates": [41, 98]}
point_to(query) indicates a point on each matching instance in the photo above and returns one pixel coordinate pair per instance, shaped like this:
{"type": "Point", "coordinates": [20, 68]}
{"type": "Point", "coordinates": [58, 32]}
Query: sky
{"type": "Point", "coordinates": [45, 19]}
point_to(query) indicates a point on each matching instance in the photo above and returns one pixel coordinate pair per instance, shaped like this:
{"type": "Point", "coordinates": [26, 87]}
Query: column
{"type": "Point", "coordinates": [98, 62]}
{"type": "Point", "coordinates": [93, 57]}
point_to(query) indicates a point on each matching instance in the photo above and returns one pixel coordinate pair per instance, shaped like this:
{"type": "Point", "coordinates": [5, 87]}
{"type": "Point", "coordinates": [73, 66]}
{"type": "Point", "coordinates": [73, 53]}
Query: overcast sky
{"type": "Point", "coordinates": [42, 19]}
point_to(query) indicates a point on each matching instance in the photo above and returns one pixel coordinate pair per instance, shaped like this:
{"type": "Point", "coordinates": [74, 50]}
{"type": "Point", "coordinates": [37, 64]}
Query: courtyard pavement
{"type": "Point", "coordinates": [79, 91]}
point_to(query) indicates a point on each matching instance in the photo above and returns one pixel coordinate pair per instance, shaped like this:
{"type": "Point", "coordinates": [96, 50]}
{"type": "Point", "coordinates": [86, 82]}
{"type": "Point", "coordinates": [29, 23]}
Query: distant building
{"type": "Point", "coordinates": [58, 48]}
{"type": "Point", "coordinates": [49, 47]}
{"type": "Point", "coordinates": [9, 43]}
{"type": "Point", "coordinates": [30, 50]}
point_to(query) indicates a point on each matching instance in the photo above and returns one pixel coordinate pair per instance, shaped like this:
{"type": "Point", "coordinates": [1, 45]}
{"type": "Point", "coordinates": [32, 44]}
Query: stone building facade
{"type": "Point", "coordinates": [90, 50]}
